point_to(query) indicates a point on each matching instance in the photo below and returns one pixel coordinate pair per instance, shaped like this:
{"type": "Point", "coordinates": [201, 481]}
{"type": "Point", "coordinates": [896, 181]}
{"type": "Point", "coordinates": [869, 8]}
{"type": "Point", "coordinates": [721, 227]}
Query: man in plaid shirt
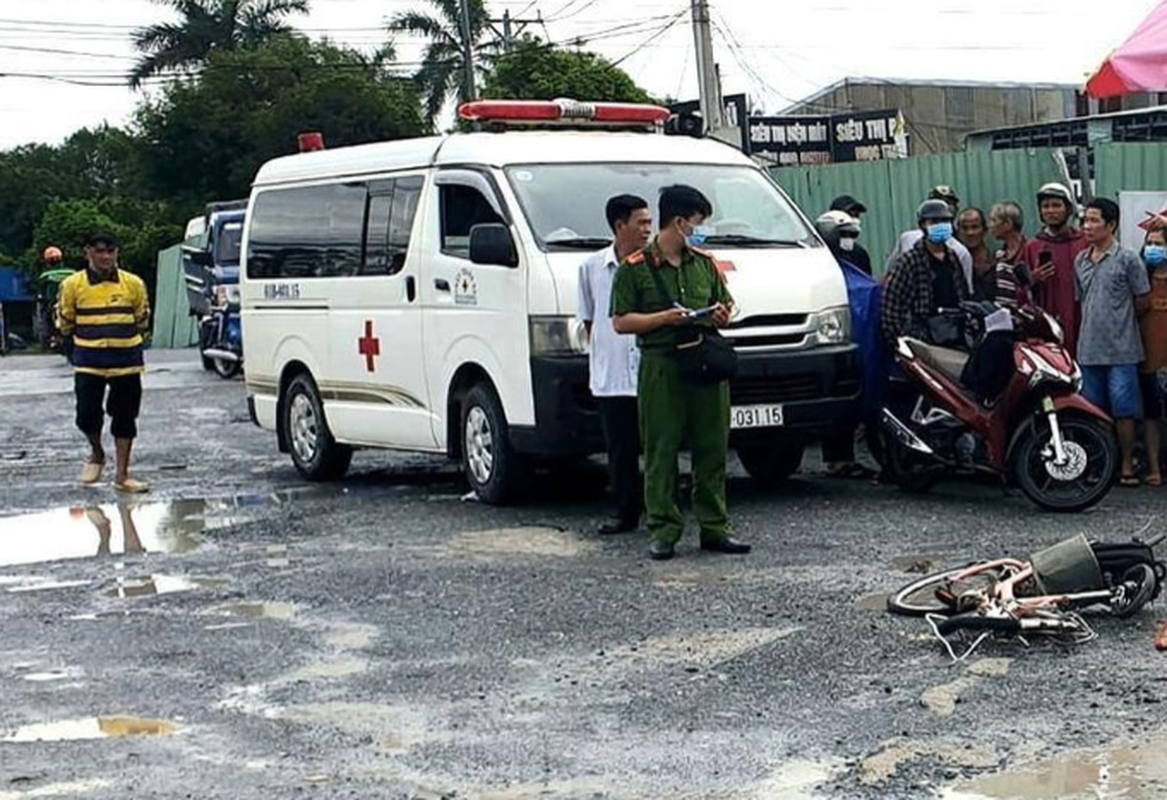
{"type": "Point", "coordinates": [925, 279]}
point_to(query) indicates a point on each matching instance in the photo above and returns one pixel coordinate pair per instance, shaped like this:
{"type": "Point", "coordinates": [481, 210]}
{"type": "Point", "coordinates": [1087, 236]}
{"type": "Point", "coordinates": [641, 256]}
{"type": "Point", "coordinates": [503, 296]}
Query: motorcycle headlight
{"type": "Point", "coordinates": [832, 326]}
{"type": "Point", "coordinates": [557, 336]}
{"type": "Point", "coordinates": [227, 294]}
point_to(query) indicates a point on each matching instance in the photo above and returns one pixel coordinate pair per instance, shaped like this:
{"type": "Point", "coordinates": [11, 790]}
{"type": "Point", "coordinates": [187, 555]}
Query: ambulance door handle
{"type": "Point", "coordinates": [410, 289]}
{"type": "Point", "coordinates": [441, 284]}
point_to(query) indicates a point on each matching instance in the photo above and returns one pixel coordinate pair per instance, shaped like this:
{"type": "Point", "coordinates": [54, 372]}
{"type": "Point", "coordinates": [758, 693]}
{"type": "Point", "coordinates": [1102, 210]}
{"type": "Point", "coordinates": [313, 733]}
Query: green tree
{"type": "Point", "coordinates": [207, 138]}
{"type": "Point", "coordinates": [142, 227]}
{"type": "Point", "coordinates": [443, 67]}
{"type": "Point", "coordinates": [534, 70]}
{"type": "Point", "coordinates": [206, 27]}
{"type": "Point", "coordinates": [92, 163]}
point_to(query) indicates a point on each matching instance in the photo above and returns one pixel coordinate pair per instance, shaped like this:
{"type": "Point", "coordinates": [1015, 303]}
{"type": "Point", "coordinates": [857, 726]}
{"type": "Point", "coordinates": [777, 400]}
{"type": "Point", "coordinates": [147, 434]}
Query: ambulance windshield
{"type": "Point", "coordinates": [564, 203]}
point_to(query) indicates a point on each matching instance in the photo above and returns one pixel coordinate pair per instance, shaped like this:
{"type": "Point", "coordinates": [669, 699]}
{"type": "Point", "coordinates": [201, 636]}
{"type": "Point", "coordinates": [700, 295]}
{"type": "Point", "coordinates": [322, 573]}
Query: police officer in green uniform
{"type": "Point", "coordinates": [673, 412]}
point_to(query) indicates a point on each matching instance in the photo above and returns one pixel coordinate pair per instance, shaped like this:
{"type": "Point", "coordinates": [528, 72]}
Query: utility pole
{"type": "Point", "coordinates": [468, 53]}
{"type": "Point", "coordinates": [709, 91]}
{"type": "Point", "coordinates": [507, 35]}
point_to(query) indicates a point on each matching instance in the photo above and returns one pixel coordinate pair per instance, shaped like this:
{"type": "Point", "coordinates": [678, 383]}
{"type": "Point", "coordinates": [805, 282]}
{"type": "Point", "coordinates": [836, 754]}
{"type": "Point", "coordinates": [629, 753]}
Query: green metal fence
{"type": "Point", "coordinates": [173, 325]}
{"type": "Point", "coordinates": [892, 190]}
{"type": "Point", "coordinates": [1130, 167]}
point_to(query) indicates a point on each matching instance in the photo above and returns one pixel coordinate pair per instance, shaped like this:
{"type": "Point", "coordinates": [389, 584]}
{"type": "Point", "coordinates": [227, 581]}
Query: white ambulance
{"type": "Point", "coordinates": [421, 295]}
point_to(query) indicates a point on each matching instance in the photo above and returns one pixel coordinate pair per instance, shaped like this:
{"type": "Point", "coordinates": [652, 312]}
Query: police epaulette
{"type": "Point", "coordinates": [635, 258]}
{"type": "Point", "coordinates": [705, 253]}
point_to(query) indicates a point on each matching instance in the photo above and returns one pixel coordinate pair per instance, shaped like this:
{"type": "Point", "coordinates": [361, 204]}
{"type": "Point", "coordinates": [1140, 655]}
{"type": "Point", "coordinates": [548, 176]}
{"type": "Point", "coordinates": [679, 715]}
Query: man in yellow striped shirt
{"type": "Point", "coordinates": [106, 310]}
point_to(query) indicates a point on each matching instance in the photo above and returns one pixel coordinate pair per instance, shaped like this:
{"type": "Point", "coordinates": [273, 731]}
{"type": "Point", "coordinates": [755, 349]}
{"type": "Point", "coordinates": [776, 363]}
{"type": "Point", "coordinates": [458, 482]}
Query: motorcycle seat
{"type": "Point", "coordinates": [947, 362]}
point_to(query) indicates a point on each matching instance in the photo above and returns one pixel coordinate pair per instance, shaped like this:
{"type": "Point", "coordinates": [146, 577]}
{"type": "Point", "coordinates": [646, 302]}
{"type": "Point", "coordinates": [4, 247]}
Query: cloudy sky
{"type": "Point", "coordinates": [774, 50]}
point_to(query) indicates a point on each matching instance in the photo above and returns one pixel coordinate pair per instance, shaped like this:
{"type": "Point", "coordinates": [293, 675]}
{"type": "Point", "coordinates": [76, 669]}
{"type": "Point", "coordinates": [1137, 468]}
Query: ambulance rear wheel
{"type": "Point", "coordinates": [493, 469]}
{"type": "Point", "coordinates": [316, 455]}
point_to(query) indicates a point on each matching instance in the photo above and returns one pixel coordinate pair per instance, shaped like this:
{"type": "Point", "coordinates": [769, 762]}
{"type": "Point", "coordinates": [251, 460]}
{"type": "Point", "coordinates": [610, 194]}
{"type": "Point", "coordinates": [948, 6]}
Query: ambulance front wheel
{"type": "Point", "coordinates": [315, 453]}
{"type": "Point", "coordinates": [493, 469]}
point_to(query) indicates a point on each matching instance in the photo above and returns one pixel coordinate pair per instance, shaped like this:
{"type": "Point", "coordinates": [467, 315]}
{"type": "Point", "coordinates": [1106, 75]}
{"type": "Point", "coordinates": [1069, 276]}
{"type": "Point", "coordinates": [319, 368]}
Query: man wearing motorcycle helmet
{"type": "Point", "coordinates": [908, 239]}
{"type": "Point", "coordinates": [925, 279]}
{"type": "Point", "coordinates": [1050, 258]}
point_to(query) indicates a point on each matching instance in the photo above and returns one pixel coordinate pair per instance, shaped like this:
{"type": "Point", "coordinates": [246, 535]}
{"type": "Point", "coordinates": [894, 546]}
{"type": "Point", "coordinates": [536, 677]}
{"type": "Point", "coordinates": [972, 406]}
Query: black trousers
{"type": "Point", "coordinates": [621, 420]}
{"type": "Point", "coordinates": [123, 404]}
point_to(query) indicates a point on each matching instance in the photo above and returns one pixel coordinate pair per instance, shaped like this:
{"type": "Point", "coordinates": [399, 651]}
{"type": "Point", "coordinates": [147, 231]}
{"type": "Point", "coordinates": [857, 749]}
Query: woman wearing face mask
{"type": "Point", "coordinates": [1153, 325]}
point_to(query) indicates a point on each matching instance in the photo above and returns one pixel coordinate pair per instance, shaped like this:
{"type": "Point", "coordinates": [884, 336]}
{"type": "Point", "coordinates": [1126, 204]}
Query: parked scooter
{"type": "Point", "coordinates": [1037, 432]}
{"type": "Point", "coordinates": [212, 280]}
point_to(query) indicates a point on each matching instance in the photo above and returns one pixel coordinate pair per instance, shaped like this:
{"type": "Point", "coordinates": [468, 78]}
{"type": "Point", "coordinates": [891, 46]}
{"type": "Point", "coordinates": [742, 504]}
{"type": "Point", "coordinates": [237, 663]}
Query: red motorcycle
{"type": "Point", "coordinates": [1037, 432]}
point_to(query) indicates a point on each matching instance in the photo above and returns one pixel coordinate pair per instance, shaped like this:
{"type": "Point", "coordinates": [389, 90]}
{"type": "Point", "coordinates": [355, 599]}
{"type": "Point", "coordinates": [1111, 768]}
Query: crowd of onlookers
{"type": "Point", "coordinates": [1109, 299]}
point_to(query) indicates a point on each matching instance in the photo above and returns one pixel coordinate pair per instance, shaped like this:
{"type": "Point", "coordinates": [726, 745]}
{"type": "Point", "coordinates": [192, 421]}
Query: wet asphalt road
{"type": "Point", "coordinates": [384, 638]}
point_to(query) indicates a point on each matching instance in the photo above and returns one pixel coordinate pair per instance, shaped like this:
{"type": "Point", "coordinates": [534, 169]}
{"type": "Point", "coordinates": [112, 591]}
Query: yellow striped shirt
{"type": "Point", "coordinates": [106, 317]}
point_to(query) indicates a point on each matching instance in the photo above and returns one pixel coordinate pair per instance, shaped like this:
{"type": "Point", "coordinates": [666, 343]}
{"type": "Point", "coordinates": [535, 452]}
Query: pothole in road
{"type": "Point", "coordinates": [86, 531]}
{"type": "Point", "coordinates": [532, 541]}
{"type": "Point", "coordinates": [917, 563]}
{"type": "Point", "coordinates": [149, 585]}
{"type": "Point", "coordinates": [268, 610]}
{"type": "Point", "coordinates": [1128, 771]}
{"type": "Point", "coordinates": [873, 602]}
{"type": "Point", "coordinates": [91, 728]}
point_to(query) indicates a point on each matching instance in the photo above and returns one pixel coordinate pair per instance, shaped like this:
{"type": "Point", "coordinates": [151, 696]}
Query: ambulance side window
{"type": "Point", "coordinates": [307, 232]}
{"type": "Point", "coordinates": [462, 208]}
{"type": "Point", "coordinates": [392, 209]}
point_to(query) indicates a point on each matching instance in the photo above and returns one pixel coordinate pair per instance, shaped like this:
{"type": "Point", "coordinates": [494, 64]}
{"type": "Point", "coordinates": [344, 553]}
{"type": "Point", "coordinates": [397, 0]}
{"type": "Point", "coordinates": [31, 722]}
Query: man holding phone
{"type": "Point", "coordinates": [1050, 258]}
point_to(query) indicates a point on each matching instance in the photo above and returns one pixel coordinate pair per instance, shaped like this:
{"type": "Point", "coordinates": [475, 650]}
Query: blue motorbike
{"type": "Point", "coordinates": [211, 267]}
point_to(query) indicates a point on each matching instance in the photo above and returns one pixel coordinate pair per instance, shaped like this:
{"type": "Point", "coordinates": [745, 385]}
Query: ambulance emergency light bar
{"type": "Point", "coordinates": [568, 112]}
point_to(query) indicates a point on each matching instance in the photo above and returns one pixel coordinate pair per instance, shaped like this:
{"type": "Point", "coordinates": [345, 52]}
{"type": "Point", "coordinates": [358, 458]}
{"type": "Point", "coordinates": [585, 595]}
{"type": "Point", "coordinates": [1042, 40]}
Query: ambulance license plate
{"type": "Point", "coordinates": [761, 416]}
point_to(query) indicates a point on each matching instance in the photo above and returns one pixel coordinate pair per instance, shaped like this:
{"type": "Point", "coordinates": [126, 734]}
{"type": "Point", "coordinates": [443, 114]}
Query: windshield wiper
{"type": "Point", "coordinates": [580, 243]}
{"type": "Point", "coordinates": [744, 240]}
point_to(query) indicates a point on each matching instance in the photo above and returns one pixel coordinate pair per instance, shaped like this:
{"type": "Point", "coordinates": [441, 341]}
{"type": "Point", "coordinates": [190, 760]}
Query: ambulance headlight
{"type": "Point", "coordinates": [832, 326]}
{"type": "Point", "coordinates": [557, 336]}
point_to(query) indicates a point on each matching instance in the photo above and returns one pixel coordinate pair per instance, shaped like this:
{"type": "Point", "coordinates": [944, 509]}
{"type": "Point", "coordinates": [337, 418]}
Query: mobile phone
{"type": "Point", "coordinates": [1045, 258]}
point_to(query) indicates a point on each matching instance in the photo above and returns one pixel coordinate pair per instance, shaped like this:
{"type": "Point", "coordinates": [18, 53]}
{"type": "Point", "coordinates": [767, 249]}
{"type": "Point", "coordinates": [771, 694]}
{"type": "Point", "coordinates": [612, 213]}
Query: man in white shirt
{"type": "Point", "coordinates": [908, 239]}
{"type": "Point", "coordinates": [613, 359]}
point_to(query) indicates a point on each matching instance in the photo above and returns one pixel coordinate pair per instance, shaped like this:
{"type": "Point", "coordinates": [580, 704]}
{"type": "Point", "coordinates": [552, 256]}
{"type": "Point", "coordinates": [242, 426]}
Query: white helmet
{"type": "Point", "coordinates": [1058, 190]}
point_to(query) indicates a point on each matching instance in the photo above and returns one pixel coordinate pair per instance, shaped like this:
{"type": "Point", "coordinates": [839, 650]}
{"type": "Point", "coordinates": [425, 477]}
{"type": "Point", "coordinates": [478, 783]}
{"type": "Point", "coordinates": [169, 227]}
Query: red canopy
{"type": "Point", "coordinates": [1139, 65]}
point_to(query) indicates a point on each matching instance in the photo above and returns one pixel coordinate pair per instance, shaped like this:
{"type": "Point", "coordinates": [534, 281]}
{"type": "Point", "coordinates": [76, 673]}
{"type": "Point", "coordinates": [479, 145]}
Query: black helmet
{"type": "Point", "coordinates": [933, 211]}
{"type": "Point", "coordinates": [835, 225]}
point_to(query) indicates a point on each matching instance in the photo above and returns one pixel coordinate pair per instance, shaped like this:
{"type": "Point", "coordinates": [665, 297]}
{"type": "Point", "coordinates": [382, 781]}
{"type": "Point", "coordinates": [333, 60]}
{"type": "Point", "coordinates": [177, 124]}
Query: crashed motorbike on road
{"type": "Point", "coordinates": [1033, 428]}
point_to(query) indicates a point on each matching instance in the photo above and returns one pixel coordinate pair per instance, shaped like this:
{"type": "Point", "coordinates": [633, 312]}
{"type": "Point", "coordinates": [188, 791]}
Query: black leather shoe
{"type": "Point", "coordinates": [727, 545]}
{"type": "Point", "coordinates": [614, 525]}
{"type": "Point", "coordinates": [661, 551]}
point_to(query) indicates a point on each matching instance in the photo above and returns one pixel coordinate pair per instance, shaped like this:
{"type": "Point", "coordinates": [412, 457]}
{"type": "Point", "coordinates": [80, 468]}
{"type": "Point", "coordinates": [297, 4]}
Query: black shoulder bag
{"type": "Point", "coordinates": [704, 357]}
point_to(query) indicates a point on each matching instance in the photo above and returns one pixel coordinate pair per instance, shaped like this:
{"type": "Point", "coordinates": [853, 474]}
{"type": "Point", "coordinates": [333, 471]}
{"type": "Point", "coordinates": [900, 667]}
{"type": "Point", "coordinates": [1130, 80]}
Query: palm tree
{"type": "Point", "coordinates": [443, 69]}
{"type": "Point", "coordinates": [207, 26]}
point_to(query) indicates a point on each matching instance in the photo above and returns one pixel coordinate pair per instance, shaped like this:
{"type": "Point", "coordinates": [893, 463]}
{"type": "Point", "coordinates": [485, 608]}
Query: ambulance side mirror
{"type": "Point", "coordinates": [491, 245]}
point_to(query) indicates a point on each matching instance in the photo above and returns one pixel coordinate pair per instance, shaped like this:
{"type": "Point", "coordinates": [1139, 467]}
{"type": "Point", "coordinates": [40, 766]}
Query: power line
{"type": "Point", "coordinates": [656, 35]}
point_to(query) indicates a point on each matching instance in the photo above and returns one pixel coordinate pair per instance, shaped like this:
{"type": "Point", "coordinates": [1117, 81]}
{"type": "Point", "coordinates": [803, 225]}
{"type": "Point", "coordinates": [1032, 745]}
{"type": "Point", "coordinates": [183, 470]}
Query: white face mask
{"type": "Point", "coordinates": [846, 243]}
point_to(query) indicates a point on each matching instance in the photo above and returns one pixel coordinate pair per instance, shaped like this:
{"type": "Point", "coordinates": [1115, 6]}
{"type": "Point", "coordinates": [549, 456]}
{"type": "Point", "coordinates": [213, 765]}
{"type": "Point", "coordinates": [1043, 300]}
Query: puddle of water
{"type": "Point", "coordinates": [71, 730]}
{"type": "Point", "coordinates": [798, 780]}
{"type": "Point", "coordinates": [873, 602]}
{"type": "Point", "coordinates": [42, 585]}
{"type": "Point", "coordinates": [531, 541]}
{"type": "Point", "coordinates": [49, 676]}
{"type": "Point", "coordinates": [62, 789]}
{"type": "Point", "coordinates": [257, 610]}
{"type": "Point", "coordinates": [161, 584]}
{"type": "Point", "coordinates": [125, 527]}
{"type": "Point", "coordinates": [1130, 772]}
{"type": "Point", "coordinates": [918, 563]}
{"type": "Point", "coordinates": [883, 765]}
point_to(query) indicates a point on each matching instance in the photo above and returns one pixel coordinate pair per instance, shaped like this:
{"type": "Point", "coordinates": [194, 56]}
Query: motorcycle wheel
{"type": "Point", "coordinates": [226, 369]}
{"type": "Point", "coordinates": [1092, 470]}
{"type": "Point", "coordinates": [912, 472]}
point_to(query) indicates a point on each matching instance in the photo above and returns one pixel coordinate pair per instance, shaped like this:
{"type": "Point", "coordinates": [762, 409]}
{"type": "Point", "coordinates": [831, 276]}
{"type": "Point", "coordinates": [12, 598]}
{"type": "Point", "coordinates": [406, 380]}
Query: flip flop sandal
{"type": "Point", "coordinates": [1154, 479]}
{"type": "Point", "coordinates": [132, 486]}
{"type": "Point", "coordinates": [1129, 481]}
{"type": "Point", "coordinates": [91, 473]}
